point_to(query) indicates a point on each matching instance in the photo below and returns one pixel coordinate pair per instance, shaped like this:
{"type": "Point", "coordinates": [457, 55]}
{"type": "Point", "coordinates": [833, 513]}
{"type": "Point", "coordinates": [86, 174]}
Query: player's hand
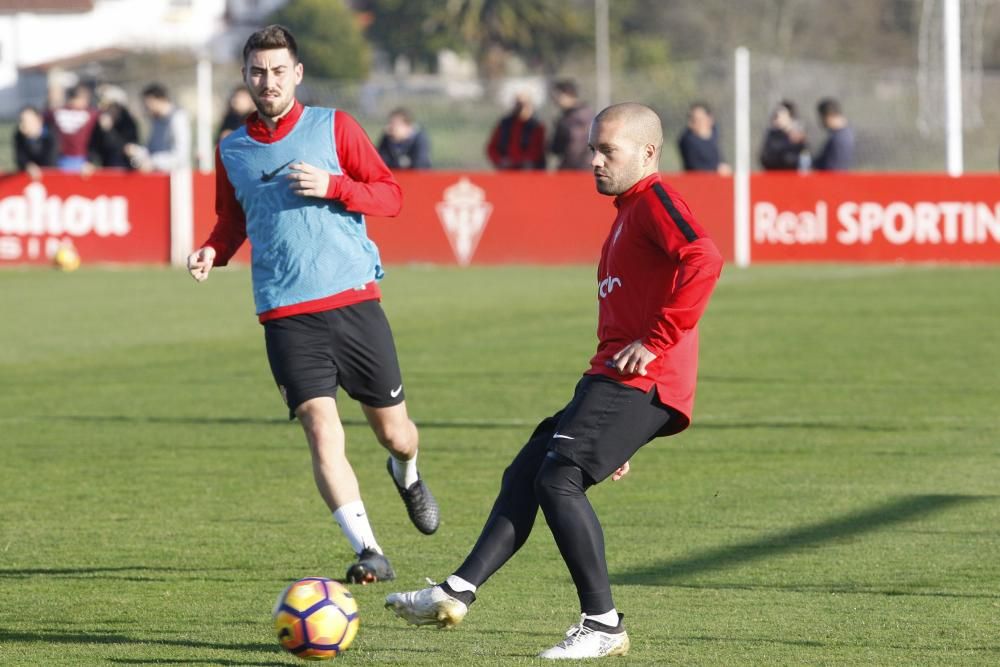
{"type": "Point", "coordinates": [632, 359]}
{"type": "Point", "coordinates": [621, 472]}
{"type": "Point", "coordinates": [308, 181]}
{"type": "Point", "coordinates": [200, 263]}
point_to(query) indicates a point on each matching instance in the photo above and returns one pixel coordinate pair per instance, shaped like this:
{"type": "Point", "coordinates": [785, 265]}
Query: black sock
{"type": "Point", "coordinates": [467, 597]}
{"type": "Point", "coordinates": [610, 629]}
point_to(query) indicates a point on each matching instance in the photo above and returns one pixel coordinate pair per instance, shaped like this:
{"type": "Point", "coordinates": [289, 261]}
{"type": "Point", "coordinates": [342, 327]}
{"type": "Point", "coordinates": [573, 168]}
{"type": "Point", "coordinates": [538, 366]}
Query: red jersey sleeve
{"type": "Point", "coordinates": [231, 226]}
{"type": "Point", "coordinates": [366, 185]}
{"type": "Point", "coordinates": [699, 266]}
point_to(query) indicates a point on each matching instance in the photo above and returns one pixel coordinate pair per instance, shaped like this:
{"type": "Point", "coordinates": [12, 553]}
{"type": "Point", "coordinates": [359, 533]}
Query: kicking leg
{"type": "Point", "coordinates": [506, 530]}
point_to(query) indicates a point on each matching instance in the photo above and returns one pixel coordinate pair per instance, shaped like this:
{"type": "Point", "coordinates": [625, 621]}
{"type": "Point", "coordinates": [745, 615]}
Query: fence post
{"type": "Point", "coordinates": [603, 53]}
{"type": "Point", "coordinates": [741, 168]}
{"type": "Point", "coordinates": [953, 84]}
{"type": "Point", "coordinates": [206, 156]}
{"type": "Point", "coordinates": [181, 215]}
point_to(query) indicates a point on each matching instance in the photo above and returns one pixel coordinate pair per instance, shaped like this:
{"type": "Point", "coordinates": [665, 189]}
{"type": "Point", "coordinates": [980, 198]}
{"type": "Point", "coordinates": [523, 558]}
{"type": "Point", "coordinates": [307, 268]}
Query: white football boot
{"type": "Point", "coordinates": [428, 606]}
{"type": "Point", "coordinates": [585, 640]}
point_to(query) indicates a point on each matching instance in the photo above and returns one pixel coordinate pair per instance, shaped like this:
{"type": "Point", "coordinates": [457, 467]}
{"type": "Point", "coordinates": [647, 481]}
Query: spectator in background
{"type": "Point", "coordinates": [518, 141]}
{"type": "Point", "coordinates": [699, 143]}
{"type": "Point", "coordinates": [838, 151]}
{"type": "Point", "coordinates": [73, 122]}
{"type": "Point", "coordinates": [569, 140]}
{"type": "Point", "coordinates": [785, 142]}
{"type": "Point", "coordinates": [404, 144]}
{"type": "Point", "coordinates": [116, 128]}
{"type": "Point", "coordinates": [169, 144]}
{"type": "Point", "coordinates": [240, 106]}
{"type": "Point", "coordinates": [34, 145]}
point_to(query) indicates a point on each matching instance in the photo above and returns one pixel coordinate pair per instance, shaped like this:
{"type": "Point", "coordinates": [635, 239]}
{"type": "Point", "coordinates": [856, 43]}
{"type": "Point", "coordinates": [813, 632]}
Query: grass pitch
{"type": "Point", "coordinates": [837, 501]}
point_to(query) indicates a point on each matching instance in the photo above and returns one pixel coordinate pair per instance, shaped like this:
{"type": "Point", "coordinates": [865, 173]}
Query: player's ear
{"type": "Point", "coordinates": [648, 153]}
{"type": "Point", "coordinates": [299, 71]}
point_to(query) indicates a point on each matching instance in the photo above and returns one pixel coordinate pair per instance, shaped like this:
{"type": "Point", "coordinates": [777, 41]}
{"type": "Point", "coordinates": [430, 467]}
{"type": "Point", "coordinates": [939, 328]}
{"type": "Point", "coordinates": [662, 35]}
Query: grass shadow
{"type": "Point", "coordinates": [82, 637]}
{"type": "Point", "coordinates": [81, 572]}
{"type": "Point", "coordinates": [858, 523]}
{"type": "Point", "coordinates": [281, 421]}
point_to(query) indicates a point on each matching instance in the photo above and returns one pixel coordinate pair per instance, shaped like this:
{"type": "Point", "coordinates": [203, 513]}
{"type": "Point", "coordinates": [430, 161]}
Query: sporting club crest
{"type": "Point", "coordinates": [464, 214]}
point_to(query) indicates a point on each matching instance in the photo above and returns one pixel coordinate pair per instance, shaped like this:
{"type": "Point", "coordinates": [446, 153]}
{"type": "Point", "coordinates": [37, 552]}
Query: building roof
{"type": "Point", "coordinates": [34, 6]}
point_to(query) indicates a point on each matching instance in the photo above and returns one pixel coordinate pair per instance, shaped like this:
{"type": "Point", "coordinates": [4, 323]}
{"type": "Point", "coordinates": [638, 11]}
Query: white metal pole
{"type": "Point", "coordinates": [953, 85]}
{"type": "Point", "coordinates": [741, 171]}
{"type": "Point", "coordinates": [602, 43]}
{"type": "Point", "coordinates": [206, 150]}
{"type": "Point", "coordinates": [181, 215]}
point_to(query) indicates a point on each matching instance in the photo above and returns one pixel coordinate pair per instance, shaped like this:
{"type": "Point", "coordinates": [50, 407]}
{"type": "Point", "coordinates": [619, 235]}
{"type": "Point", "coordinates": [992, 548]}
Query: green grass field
{"type": "Point", "coordinates": [837, 501]}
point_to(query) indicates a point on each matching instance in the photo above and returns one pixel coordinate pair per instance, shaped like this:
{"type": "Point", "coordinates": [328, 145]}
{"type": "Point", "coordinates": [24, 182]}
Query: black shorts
{"type": "Point", "coordinates": [351, 347]}
{"type": "Point", "coordinates": [606, 423]}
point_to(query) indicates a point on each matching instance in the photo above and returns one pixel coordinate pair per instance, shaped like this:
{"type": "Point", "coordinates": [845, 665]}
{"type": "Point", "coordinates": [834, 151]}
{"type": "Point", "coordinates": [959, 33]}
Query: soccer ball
{"type": "Point", "coordinates": [316, 618]}
{"type": "Point", "coordinates": [66, 258]}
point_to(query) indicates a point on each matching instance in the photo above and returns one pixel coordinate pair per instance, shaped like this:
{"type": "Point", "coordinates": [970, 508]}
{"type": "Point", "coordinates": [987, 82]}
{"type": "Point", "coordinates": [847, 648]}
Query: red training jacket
{"type": "Point", "coordinates": [366, 186]}
{"type": "Point", "coordinates": [657, 271]}
{"type": "Point", "coordinates": [517, 143]}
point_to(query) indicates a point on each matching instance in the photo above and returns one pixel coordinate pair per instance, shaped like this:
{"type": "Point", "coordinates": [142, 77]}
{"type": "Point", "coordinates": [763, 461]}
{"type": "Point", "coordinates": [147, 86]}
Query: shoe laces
{"type": "Point", "coordinates": [575, 633]}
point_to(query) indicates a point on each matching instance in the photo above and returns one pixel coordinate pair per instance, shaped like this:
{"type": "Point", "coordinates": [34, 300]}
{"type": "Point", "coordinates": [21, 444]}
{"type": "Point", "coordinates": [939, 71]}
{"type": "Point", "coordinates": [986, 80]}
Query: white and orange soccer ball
{"type": "Point", "coordinates": [316, 618]}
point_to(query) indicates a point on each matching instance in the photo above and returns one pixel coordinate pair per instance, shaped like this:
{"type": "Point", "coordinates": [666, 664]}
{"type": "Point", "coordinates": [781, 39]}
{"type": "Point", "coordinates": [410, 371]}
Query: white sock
{"type": "Point", "coordinates": [405, 472]}
{"type": "Point", "coordinates": [353, 521]}
{"type": "Point", "coordinates": [609, 618]}
{"type": "Point", "coordinates": [458, 584]}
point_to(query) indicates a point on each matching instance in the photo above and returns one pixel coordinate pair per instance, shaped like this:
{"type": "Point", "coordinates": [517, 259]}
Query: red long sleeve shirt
{"type": "Point", "coordinates": [366, 186]}
{"type": "Point", "coordinates": [657, 271]}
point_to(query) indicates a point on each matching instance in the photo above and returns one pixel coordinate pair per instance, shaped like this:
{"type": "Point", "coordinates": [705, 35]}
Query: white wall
{"type": "Point", "coordinates": [28, 40]}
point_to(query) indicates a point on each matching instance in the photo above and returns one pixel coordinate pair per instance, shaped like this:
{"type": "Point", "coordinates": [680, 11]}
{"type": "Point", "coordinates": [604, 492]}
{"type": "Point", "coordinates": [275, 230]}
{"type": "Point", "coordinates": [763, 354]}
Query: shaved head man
{"type": "Point", "coordinates": [657, 271]}
{"type": "Point", "coordinates": [626, 140]}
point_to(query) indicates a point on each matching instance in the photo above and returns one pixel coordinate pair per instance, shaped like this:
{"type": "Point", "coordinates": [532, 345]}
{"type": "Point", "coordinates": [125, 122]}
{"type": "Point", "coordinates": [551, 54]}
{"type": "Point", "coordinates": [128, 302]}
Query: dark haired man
{"type": "Point", "coordinates": [656, 274]}
{"type": "Point", "coordinates": [298, 182]}
{"type": "Point", "coordinates": [569, 136]}
{"type": "Point", "coordinates": [404, 144]}
{"type": "Point", "coordinates": [169, 144]}
{"type": "Point", "coordinates": [838, 151]}
{"type": "Point", "coordinates": [34, 145]}
{"type": "Point", "coordinates": [699, 143]}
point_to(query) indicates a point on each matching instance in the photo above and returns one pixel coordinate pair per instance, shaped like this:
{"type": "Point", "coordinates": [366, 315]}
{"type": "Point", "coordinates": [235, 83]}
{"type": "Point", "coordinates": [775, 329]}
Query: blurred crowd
{"type": "Point", "coordinates": [82, 129]}
{"type": "Point", "coordinates": [85, 128]}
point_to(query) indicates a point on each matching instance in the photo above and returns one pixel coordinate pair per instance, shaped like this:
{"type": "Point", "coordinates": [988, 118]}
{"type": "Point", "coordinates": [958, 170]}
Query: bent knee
{"type": "Point", "coordinates": [396, 435]}
{"type": "Point", "coordinates": [558, 476]}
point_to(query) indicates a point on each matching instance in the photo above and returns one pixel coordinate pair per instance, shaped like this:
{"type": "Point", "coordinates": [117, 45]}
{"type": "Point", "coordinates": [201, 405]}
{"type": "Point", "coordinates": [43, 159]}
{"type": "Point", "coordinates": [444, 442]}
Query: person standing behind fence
{"type": "Point", "coordinates": [699, 143]}
{"type": "Point", "coordinates": [838, 151]}
{"type": "Point", "coordinates": [518, 141]}
{"type": "Point", "coordinates": [240, 106]}
{"type": "Point", "coordinates": [569, 140]}
{"type": "Point", "coordinates": [404, 144]}
{"type": "Point", "coordinates": [116, 128]}
{"type": "Point", "coordinates": [34, 144]}
{"type": "Point", "coordinates": [785, 142]}
{"type": "Point", "coordinates": [73, 122]}
{"type": "Point", "coordinates": [169, 144]}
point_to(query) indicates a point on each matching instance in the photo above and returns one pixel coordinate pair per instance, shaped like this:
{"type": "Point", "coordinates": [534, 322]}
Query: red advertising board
{"type": "Point", "coordinates": [875, 218]}
{"type": "Point", "coordinates": [107, 217]}
{"type": "Point", "coordinates": [544, 218]}
{"type": "Point", "coordinates": [494, 218]}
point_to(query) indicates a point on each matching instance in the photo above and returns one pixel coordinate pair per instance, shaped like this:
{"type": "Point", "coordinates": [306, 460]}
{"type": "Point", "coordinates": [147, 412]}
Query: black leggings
{"type": "Point", "coordinates": [536, 478]}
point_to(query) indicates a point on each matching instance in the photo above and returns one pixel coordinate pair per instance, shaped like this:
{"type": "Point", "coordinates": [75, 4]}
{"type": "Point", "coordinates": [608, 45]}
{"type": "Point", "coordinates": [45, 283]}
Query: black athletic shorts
{"type": "Point", "coordinates": [351, 347]}
{"type": "Point", "coordinates": [606, 423]}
